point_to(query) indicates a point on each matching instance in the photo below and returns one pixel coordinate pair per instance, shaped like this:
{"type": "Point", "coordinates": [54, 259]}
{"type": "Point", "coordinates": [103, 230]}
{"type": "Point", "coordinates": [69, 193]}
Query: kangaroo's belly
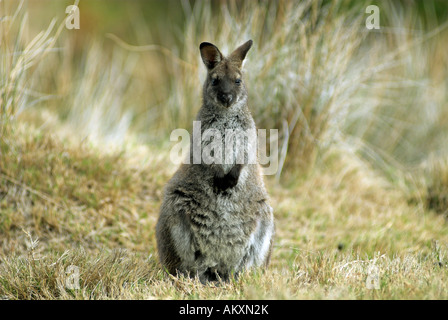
{"type": "Point", "coordinates": [223, 237]}
{"type": "Point", "coordinates": [229, 239]}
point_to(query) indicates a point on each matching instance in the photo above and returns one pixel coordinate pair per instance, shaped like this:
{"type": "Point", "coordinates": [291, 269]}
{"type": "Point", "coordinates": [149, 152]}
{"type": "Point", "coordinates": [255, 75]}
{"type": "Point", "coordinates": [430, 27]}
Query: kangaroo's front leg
{"type": "Point", "coordinates": [222, 181]}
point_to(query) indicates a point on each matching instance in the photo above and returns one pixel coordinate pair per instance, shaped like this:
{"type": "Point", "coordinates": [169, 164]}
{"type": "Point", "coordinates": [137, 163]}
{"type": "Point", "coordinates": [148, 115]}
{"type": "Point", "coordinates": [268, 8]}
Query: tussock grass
{"type": "Point", "coordinates": [436, 196]}
{"type": "Point", "coordinates": [322, 79]}
{"type": "Point", "coordinates": [54, 189]}
{"type": "Point", "coordinates": [298, 75]}
{"type": "Point", "coordinates": [19, 58]}
{"type": "Point", "coordinates": [315, 73]}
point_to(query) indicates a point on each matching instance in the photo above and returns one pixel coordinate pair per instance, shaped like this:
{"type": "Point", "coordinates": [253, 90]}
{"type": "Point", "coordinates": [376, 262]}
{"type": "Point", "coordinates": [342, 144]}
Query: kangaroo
{"type": "Point", "coordinates": [215, 219]}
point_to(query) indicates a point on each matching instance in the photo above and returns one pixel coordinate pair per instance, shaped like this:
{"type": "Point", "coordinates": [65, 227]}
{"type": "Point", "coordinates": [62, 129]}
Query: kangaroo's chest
{"type": "Point", "coordinates": [227, 142]}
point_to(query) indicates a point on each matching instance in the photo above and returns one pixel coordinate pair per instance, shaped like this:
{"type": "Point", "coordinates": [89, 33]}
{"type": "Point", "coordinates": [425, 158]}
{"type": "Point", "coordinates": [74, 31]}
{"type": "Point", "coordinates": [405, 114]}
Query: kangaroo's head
{"type": "Point", "coordinates": [224, 85]}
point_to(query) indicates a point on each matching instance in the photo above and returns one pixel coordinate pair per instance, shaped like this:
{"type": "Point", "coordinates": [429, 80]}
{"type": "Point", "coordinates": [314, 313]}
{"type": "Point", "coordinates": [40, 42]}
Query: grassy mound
{"type": "Point", "coordinates": [65, 206]}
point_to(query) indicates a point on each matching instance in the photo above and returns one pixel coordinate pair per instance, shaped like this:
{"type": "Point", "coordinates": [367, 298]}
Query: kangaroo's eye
{"type": "Point", "coordinates": [238, 81]}
{"type": "Point", "coordinates": [215, 82]}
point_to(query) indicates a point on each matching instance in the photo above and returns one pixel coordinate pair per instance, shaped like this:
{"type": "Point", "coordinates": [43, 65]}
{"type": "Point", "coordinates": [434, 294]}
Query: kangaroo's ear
{"type": "Point", "coordinates": [210, 54]}
{"type": "Point", "coordinates": [239, 54]}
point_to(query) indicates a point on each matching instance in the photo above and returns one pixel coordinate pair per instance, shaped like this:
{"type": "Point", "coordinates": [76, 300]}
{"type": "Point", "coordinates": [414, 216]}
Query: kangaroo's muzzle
{"type": "Point", "coordinates": [225, 98]}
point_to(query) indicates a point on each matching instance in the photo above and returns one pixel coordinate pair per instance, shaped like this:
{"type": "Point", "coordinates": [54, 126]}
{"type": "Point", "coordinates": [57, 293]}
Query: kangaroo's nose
{"type": "Point", "coordinates": [225, 98]}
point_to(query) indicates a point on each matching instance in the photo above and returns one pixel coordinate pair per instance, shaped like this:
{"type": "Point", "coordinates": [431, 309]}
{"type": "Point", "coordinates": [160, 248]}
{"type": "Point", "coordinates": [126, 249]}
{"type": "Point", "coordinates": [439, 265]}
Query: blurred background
{"type": "Point", "coordinates": [132, 73]}
{"type": "Point", "coordinates": [316, 72]}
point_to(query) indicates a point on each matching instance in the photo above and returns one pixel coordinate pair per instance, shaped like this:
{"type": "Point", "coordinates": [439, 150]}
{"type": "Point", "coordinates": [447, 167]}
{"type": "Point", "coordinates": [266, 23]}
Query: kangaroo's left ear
{"type": "Point", "coordinates": [239, 54]}
{"type": "Point", "coordinates": [210, 54]}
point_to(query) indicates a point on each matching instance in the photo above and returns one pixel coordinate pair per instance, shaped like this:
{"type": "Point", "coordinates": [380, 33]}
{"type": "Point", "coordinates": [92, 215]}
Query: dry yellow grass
{"type": "Point", "coordinates": [78, 188]}
{"type": "Point", "coordinates": [98, 211]}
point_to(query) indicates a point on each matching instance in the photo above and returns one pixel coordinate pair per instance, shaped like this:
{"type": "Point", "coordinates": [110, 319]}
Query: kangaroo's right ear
{"type": "Point", "coordinates": [210, 54]}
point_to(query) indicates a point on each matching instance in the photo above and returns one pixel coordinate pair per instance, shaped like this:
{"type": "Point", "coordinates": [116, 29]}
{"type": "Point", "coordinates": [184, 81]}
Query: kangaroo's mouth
{"type": "Point", "coordinates": [223, 104]}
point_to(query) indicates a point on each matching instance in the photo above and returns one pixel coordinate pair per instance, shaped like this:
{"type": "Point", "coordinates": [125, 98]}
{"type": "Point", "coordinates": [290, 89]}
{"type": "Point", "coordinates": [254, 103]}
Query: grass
{"type": "Point", "coordinates": [73, 205]}
{"type": "Point", "coordinates": [362, 190]}
{"type": "Point", "coordinates": [436, 196]}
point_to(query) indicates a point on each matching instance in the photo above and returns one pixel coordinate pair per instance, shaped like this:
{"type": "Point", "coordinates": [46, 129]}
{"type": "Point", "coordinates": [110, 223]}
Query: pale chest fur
{"type": "Point", "coordinates": [237, 143]}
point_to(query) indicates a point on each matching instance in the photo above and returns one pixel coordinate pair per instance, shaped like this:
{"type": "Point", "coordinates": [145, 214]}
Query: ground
{"type": "Point", "coordinates": [79, 223]}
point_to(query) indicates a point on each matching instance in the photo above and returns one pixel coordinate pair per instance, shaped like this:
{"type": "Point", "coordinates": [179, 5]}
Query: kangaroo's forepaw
{"type": "Point", "coordinates": [229, 180]}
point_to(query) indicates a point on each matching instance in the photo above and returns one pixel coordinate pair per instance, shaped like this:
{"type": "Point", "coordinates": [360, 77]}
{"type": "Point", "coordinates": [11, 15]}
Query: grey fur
{"type": "Point", "coordinates": [215, 220]}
